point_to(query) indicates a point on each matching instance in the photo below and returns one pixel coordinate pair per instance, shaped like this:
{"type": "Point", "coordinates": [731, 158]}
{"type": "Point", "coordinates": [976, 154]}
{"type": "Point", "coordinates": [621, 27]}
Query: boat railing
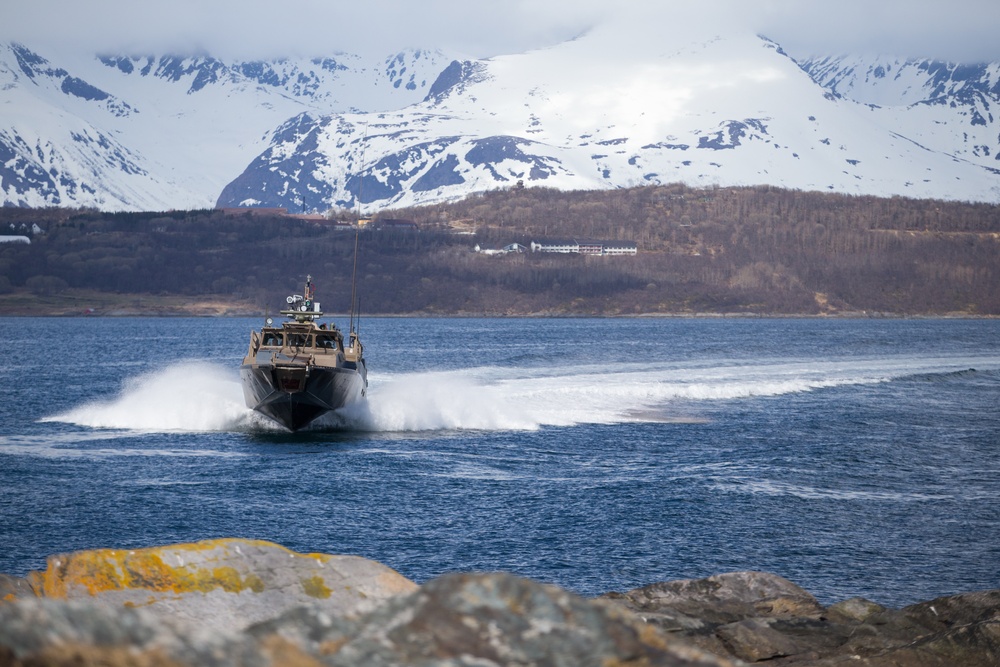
{"type": "Point", "coordinates": [355, 351]}
{"type": "Point", "coordinates": [254, 344]}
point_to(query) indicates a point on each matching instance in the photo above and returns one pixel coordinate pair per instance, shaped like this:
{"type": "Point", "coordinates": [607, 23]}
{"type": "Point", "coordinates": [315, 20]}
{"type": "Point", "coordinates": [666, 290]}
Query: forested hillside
{"type": "Point", "coordinates": [726, 250]}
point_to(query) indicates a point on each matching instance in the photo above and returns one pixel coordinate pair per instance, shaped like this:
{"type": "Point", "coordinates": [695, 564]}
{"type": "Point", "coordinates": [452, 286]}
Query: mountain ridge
{"type": "Point", "coordinates": [707, 106]}
{"type": "Point", "coordinates": [190, 123]}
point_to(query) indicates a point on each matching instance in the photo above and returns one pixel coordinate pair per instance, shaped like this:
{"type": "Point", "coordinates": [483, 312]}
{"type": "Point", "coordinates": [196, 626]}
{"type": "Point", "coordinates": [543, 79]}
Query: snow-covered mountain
{"type": "Point", "coordinates": [625, 104]}
{"type": "Point", "coordinates": [118, 132]}
{"type": "Point", "coordinates": [946, 107]}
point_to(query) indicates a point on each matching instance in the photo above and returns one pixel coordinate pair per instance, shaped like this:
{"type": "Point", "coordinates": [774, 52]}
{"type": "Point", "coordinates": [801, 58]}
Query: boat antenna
{"type": "Point", "coordinates": [357, 230]}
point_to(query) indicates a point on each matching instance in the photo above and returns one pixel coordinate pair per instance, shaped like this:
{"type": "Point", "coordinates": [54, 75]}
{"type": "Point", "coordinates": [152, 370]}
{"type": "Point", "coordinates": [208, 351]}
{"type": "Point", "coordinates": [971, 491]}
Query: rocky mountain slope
{"type": "Point", "coordinates": [626, 103]}
{"type": "Point", "coordinates": [162, 132]}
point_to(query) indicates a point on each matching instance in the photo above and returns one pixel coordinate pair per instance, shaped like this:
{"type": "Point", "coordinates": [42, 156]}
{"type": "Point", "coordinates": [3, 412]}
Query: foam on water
{"type": "Point", "coordinates": [778, 488]}
{"type": "Point", "coordinates": [188, 396]}
{"type": "Point", "coordinates": [196, 396]}
{"type": "Point", "coordinates": [81, 446]}
{"type": "Point", "coordinates": [437, 402]}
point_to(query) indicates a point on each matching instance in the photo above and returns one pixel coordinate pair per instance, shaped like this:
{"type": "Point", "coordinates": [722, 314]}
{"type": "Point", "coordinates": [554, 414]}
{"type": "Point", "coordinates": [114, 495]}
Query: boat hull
{"type": "Point", "coordinates": [295, 396]}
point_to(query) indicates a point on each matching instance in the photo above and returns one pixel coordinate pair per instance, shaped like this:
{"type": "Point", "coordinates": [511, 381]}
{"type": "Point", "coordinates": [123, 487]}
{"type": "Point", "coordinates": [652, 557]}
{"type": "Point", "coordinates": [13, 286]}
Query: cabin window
{"type": "Point", "coordinates": [299, 340]}
{"type": "Point", "coordinates": [326, 341]}
{"type": "Point", "coordinates": [272, 339]}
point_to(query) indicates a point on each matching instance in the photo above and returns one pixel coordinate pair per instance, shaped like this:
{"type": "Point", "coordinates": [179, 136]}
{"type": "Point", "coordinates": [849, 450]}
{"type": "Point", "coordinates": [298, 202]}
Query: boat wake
{"type": "Point", "coordinates": [195, 396]}
{"type": "Point", "coordinates": [188, 396]}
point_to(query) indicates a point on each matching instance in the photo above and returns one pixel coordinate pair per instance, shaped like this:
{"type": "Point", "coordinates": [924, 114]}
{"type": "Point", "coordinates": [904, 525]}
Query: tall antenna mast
{"type": "Point", "coordinates": [357, 228]}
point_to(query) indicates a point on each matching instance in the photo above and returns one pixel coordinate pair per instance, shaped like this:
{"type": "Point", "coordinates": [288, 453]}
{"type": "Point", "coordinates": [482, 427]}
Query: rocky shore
{"type": "Point", "coordinates": [245, 603]}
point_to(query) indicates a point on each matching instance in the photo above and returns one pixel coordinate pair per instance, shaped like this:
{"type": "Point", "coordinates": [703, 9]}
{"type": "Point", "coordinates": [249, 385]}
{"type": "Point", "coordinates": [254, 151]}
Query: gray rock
{"type": "Point", "coordinates": [309, 628]}
{"type": "Point", "coordinates": [225, 584]}
{"type": "Point", "coordinates": [191, 605]}
{"type": "Point", "coordinates": [484, 620]}
{"type": "Point", "coordinates": [855, 610]}
{"type": "Point", "coordinates": [12, 588]}
{"type": "Point", "coordinates": [953, 630]}
{"type": "Point", "coordinates": [754, 639]}
{"type": "Point", "coordinates": [53, 631]}
{"type": "Point", "coordinates": [721, 599]}
{"type": "Point", "coordinates": [955, 610]}
{"type": "Point", "coordinates": [756, 618]}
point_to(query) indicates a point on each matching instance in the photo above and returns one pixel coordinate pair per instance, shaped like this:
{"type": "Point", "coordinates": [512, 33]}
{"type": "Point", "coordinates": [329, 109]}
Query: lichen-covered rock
{"type": "Point", "coordinates": [959, 629]}
{"type": "Point", "coordinates": [227, 583]}
{"type": "Point", "coordinates": [753, 640]}
{"type": "Point", "coordinates": [952, 611]}
{"type": "Point", "coordinates": [722, 599]}
{"type": "Point", "coordinates": [854, 610]}
{"type": "Point", "coordinates": [759, 617]}
{"type": "Point", "coordinates": [240, 603]}
{"type": "Point", "coordinates": [456, 620]}
{"type": "Point", "coordinates": [488, 619]}
{"type": "Point", "coordinates": [55, 632]}
{"type": "Point", "coordinates": [12, 588]}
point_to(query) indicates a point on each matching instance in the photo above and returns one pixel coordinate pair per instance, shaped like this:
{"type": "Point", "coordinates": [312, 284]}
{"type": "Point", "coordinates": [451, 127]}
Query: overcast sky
{"type": "Point", "coordinates": [961, 30]}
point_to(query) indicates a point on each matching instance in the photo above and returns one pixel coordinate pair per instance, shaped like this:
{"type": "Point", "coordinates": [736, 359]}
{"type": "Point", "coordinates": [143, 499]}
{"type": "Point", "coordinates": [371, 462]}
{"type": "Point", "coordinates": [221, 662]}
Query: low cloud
{"type": "Point", "coordinates": [960, 30]}
{"type": "Point", "coordinates": [259, 28]}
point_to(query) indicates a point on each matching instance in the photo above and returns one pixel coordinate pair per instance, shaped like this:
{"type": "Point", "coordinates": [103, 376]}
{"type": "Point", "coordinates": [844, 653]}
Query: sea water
{"type": "Point", "coordinates": [853, 456]}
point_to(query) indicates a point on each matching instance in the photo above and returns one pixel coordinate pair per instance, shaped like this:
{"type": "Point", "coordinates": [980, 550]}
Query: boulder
{"type": "Point", "coordinates": [456, 620]}
{"type": "Point", "coordinates": [487, 620]}
{"type": "Point", "coordinates": [854, 610]}
{"type": "Point", "coordinates": [242, 603]}
{"type": "Point", "coordinates": [77, 633]}
{"type": "Point", "coordinates": [959, 629]}
{"type": "Point", "coordinates": [12, 588]}
{"type": "Point", "coordinates": [718, 600]}
{"type": "Point", "coordinates": [757, 617]}
{"type": "Point", "coordinates": [953, 611]}
{"type": "Point", "coordinates": [754, 639]}
{"type": "Point", "coordinates": [227, 584]}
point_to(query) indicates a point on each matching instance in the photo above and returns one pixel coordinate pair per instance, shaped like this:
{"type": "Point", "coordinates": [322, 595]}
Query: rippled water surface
{"type": "Point", "coordinates": [855, 457]}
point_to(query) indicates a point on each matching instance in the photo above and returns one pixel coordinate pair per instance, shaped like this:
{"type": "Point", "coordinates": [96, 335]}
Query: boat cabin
{"type": "Point", "coordinates": [322, 340]}
{"type": "Point", "coordinates": [317, 344]}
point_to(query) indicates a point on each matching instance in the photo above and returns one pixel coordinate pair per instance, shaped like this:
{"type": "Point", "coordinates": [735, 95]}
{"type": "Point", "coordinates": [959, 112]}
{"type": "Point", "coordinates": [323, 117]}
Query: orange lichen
{"type": "Point", "coordinates": [94, 571]}
{"type": "Point", "coordinates": [285, 653]}
{"type": "Point", "coordinates": [106, 656]}
{"type": "Point", "coordinates": [254, 583]}
{"type": "Point", "coordinates": [315, 587]}
{"type": "Point", "coordinates": [651, 636]}
{"type": "Point", "coordinates": [145, 569]}
{"type": "Point", "coordinates": [226, 578]}
{"type": "Point", "coordinates": [199, 567]}
{"type": "Point", "coordinates": [103, 570]}
{"type": "Point", "coordinates": [331, 646]}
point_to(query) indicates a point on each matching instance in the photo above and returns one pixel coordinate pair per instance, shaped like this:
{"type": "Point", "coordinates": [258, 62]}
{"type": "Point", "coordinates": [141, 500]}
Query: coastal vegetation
{"type": "Point", "coordinates": [750, 250]}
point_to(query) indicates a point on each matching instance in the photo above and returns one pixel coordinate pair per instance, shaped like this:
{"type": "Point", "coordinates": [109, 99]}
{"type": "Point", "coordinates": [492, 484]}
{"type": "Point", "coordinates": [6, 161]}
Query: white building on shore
{"type": "Point", "coordinates": [585, 247]}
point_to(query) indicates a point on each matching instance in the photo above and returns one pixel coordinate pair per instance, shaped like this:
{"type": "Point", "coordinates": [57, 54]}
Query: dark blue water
{"type": "Point", "coordinates": [855, 457]}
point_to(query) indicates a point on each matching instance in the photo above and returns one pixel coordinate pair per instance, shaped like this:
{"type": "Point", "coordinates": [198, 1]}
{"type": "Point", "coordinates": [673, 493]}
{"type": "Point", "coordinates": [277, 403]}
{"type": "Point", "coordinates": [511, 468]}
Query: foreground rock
{"type": "Point", "coordinates": [224, 584]}
{"type": "Point", "coordinates": [478, 620]}
{"type": "Point", "coordinates": [240, 603]}
{"type": "Point", "coordinates": [487, 619]}
{"type": "Point", "coordinates": [758, 617]}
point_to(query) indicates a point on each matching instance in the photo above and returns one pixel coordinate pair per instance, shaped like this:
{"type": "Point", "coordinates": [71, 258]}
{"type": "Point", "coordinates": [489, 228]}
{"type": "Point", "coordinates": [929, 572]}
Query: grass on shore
{"type": "Point", "coordinates": [80, 302]}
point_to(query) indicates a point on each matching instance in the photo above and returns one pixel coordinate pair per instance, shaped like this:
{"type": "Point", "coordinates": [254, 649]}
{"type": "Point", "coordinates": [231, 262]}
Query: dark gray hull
{"type": "Point", "coordinates": [295, 397]}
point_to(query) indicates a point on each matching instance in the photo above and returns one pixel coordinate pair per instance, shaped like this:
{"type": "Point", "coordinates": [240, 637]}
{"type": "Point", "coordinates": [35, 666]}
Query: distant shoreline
{"type": "Point", "coordinates": [86, 303]}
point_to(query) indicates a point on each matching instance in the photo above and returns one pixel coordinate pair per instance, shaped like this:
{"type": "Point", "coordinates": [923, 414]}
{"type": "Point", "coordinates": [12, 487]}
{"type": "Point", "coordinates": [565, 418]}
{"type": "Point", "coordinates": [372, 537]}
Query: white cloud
{"type": "Point", "coordinates": [957, 30]}
{"type": "Point", "coordinates": [302, 27]}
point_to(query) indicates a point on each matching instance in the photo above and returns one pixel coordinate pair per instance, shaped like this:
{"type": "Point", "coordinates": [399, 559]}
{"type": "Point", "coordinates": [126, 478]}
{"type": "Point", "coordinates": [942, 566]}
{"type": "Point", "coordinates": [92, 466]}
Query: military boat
{"type": "Point", "coordinates": [299, 370]}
